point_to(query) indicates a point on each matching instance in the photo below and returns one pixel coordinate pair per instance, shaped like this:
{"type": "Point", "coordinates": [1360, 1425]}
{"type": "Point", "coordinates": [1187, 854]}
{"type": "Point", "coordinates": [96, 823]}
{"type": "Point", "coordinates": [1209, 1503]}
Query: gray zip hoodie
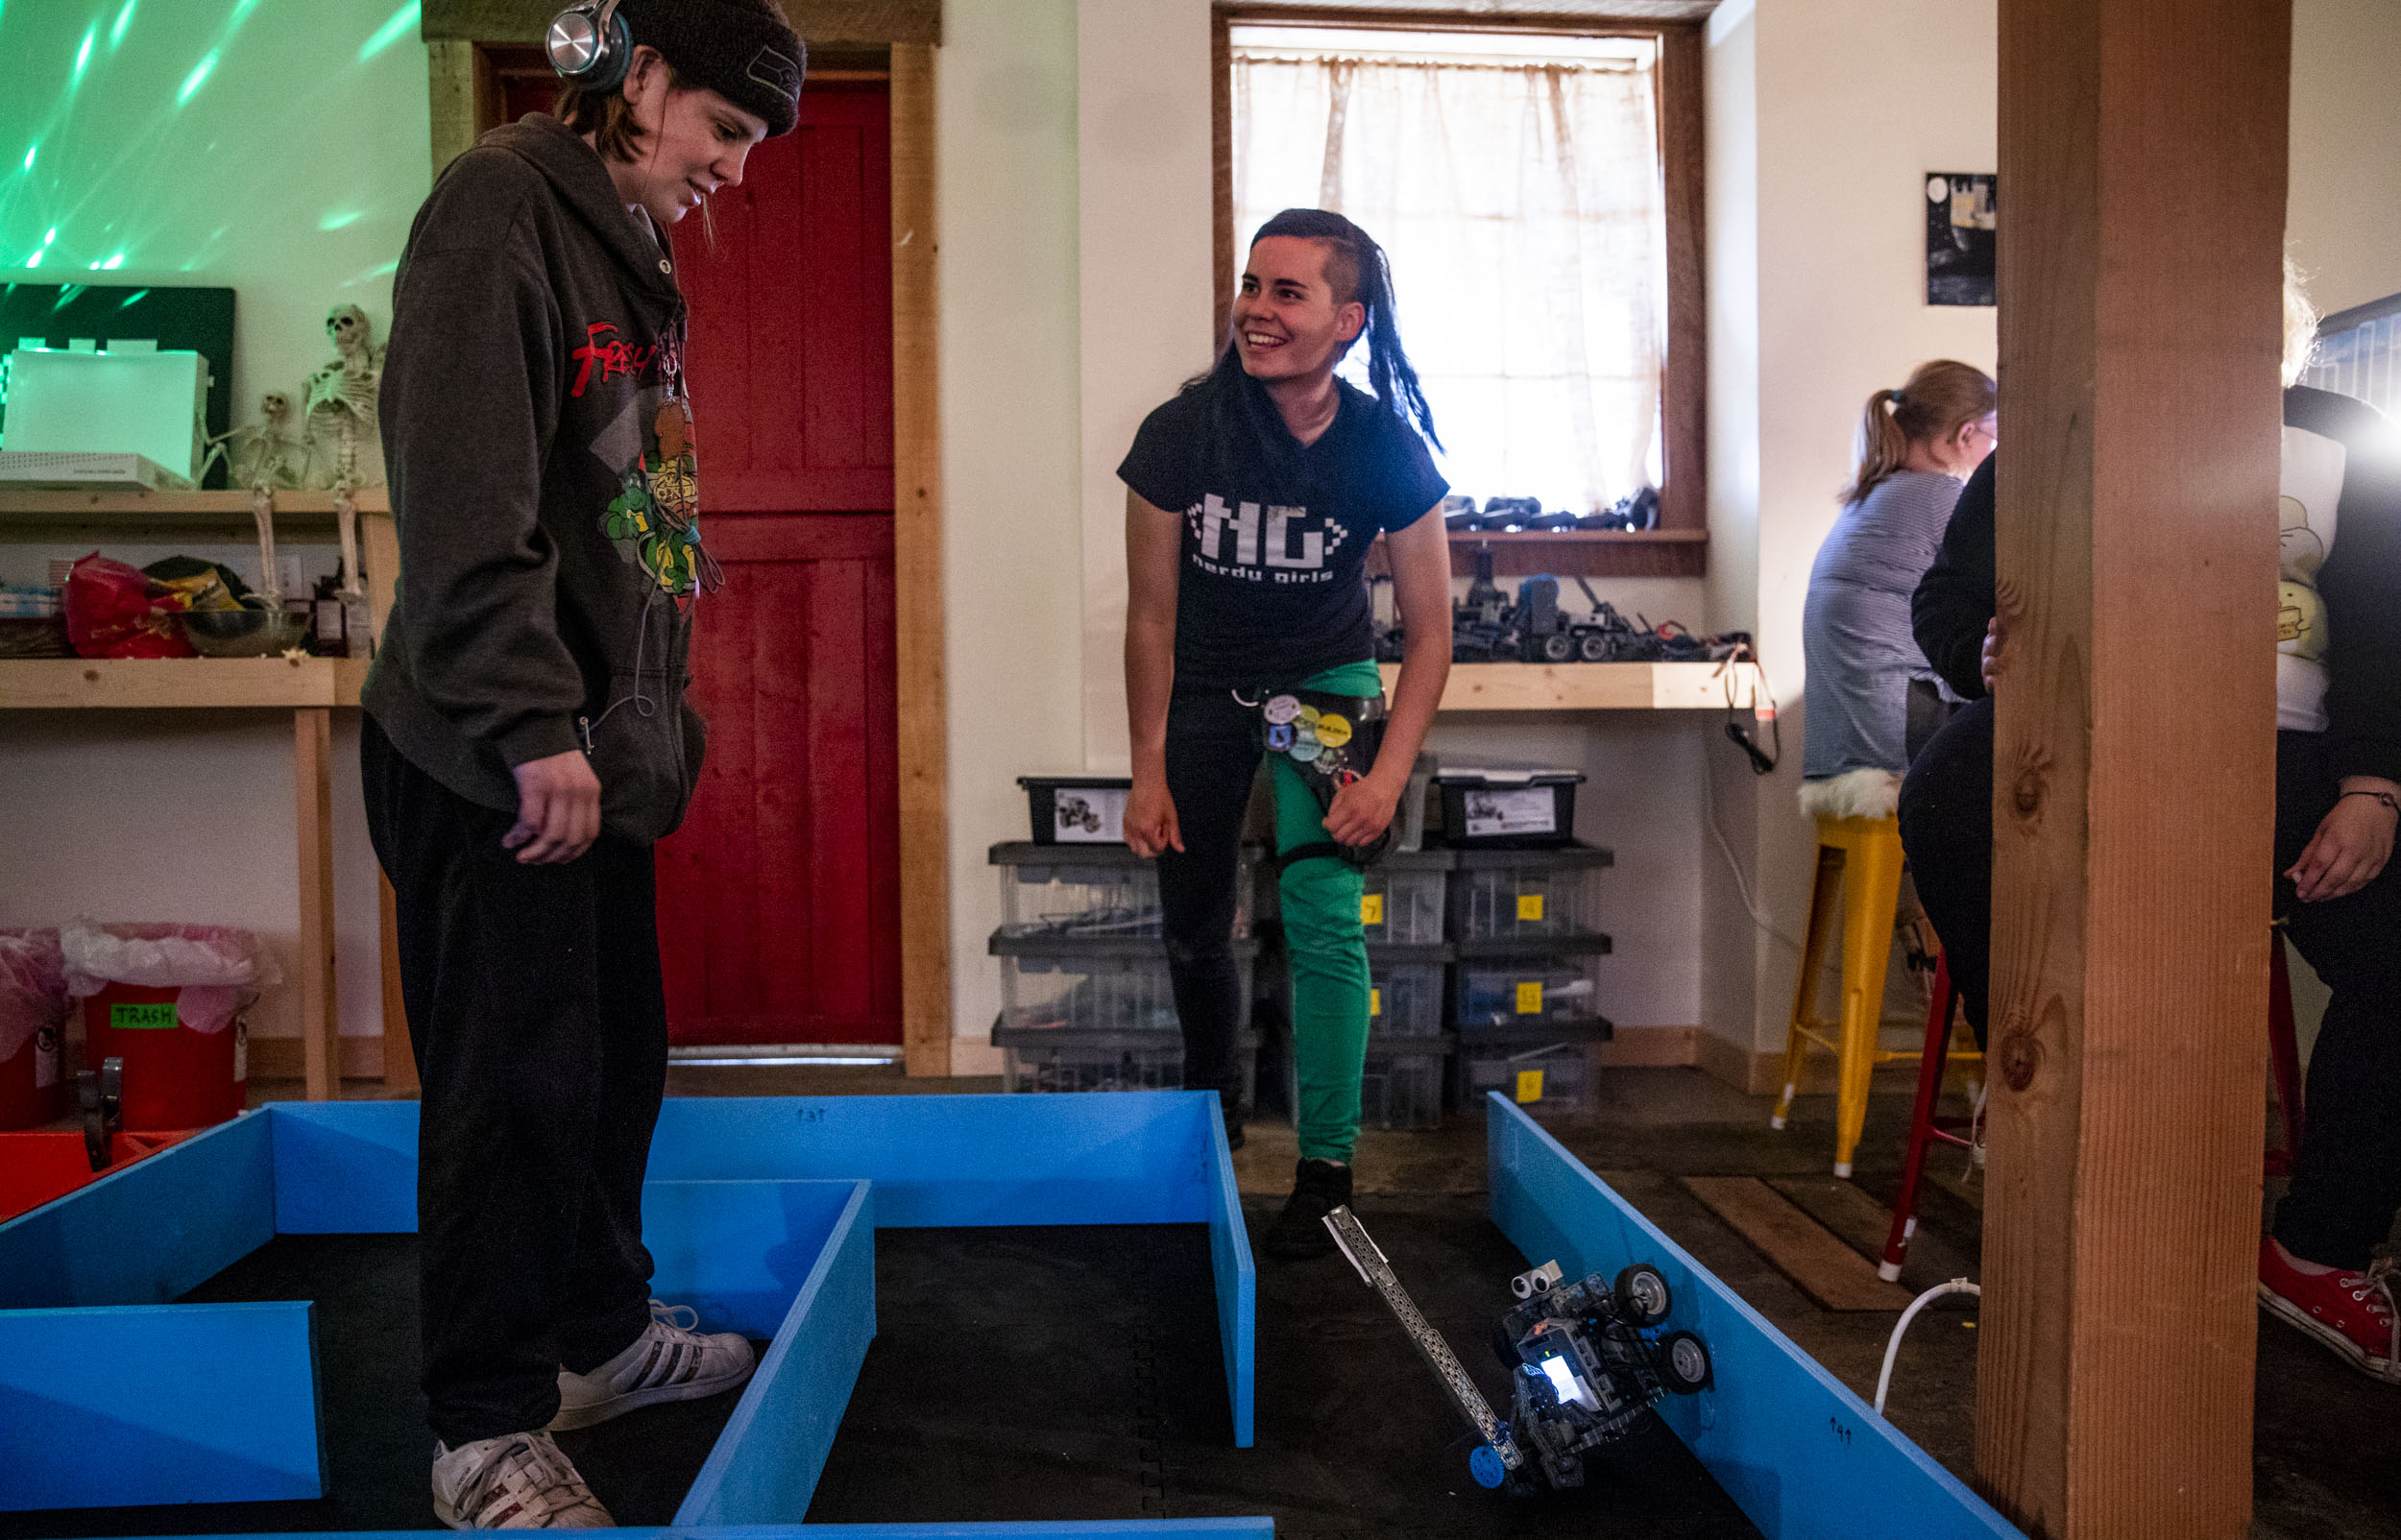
{"type": "Point", "coordinates": [543, 485]}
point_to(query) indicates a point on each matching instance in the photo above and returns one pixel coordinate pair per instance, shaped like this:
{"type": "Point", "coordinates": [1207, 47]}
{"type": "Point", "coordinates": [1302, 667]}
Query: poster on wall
{"type": "Point", "coordinates": [1959, 238]}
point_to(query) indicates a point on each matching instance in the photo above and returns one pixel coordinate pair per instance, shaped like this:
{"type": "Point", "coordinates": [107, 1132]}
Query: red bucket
{"type": "Point", "coordinates": [176, 1076]}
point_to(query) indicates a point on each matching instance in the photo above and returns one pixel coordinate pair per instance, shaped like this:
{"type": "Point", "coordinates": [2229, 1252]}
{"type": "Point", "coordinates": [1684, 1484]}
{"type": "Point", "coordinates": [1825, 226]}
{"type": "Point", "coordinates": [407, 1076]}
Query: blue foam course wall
{"type": "Point", "coordinates": [1791, 1445]}
{"type": "Point", "coordinates": [761, 1213]}
{"type": "Point", "coordinates": [158, 1404]}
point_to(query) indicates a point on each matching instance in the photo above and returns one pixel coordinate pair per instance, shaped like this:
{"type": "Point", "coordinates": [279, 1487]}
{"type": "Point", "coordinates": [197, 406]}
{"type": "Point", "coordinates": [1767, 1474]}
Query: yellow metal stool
{"type": "Point", "coordinates": [1862, 858]}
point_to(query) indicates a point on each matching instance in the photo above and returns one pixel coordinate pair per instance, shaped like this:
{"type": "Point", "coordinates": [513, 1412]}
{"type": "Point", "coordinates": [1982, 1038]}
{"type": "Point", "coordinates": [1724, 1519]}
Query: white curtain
{"type": "Point", "coordinates": [1520, 206]}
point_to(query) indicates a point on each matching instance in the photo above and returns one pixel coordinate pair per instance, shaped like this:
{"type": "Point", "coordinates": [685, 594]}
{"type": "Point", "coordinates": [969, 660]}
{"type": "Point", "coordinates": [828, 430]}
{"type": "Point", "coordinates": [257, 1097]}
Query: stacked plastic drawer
{"type": "Point", "coordinates": [1086, 1003]}
{"type": "Point", "coordinates": [1402, 913]}
{"type": "Point", "coordinates": [1522, 926]}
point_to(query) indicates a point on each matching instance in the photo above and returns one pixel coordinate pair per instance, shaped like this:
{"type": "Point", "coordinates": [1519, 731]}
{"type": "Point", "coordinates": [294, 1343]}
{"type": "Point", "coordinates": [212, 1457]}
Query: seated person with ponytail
{"type": "Point", "coordinates": [1253, 497]}
{"type": "Point", "coordinates": [1866, 673]}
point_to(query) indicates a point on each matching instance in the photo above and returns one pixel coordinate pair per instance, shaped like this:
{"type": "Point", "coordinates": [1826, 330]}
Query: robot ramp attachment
{"type": "Point", "coordinates": [1376, 1273]}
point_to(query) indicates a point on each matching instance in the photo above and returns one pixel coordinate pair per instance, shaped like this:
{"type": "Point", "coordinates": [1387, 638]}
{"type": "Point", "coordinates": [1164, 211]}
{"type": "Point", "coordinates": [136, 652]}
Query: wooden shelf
{"type": "Point", "coordinates": [1594, 686]}
{"type": "Point", "coordinates": [1587, 552]}
{"type": "Point", "coordinates": [179, 684]}
{"type": "Point", "coordinates": [27, 512]}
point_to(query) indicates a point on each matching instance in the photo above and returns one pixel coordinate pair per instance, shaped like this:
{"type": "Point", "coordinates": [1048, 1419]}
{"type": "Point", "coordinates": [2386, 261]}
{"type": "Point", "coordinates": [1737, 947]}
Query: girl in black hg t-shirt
{"type": "Point", "coordinates": [1254, 497]}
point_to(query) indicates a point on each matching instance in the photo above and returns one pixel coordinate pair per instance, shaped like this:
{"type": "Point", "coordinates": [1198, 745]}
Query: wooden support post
{"type": "Point", "coordinates": [917, 573]}
{"type": "Point", "coordinates": [312, 795]}
{"type": "Point", "coordinates": [2143, 156]}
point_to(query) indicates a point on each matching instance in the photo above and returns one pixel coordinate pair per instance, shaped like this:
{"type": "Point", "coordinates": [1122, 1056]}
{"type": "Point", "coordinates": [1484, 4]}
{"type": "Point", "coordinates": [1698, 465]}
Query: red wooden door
{"type": "Point", "coordinates": [779, 898]}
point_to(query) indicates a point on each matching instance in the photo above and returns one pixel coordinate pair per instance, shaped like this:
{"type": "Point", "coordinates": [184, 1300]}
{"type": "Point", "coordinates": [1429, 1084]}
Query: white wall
{"type": "Point", "coordinates": [290, 172]}
{"type": "Point", "coordinates": [2343, 217]}
{"type": "Point", "coordinates": [1006, 180]}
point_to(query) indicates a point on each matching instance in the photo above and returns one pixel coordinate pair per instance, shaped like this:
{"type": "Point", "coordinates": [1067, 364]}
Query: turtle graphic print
{"type": "Point", "coordinates": [654, 519]}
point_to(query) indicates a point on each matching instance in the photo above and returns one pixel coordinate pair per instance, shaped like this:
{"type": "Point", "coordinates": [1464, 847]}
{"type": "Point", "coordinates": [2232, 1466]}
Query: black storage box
{"type": "Point", "coordinates": [1076, 809]}
{"type": "Point", "coordinates": [1508, 809]}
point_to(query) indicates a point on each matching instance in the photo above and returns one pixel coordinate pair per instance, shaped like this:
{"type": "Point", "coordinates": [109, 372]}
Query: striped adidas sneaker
{"type": "Point", "coordinates": [516, 1481]}
{"type": "Point", "coordinates": [669, 1362]}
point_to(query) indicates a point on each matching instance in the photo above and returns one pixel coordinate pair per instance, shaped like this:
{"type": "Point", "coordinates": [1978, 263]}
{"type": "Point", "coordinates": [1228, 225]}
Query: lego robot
{"type": "Point", "coordinates": [1584, 1361]}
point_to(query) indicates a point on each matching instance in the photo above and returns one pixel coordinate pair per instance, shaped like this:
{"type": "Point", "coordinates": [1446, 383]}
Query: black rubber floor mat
{"type": "Point", "coordinates": [379, 1453]}
{"type": "Point", "coordinates": [1075, 1374]}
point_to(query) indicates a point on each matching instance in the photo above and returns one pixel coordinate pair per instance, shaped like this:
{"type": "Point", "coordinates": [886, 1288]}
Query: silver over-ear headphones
{"type": "Point", "coordinates": [588, 46]}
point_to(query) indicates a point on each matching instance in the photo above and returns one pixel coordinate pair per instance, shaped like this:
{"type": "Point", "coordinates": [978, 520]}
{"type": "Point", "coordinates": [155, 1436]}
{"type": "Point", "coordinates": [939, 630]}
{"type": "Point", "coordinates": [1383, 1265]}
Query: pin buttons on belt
{"type": "Point", "coordinates": [1309, 715]}
{"type": "Point", "coordinates": [1307, 750]}
{"type": "Point", "coordinates": [1280, 709]}
{"type": "Point", "coordinates": [1279, 736]}
{"type": "Point", "coordinates": [1333, 730]}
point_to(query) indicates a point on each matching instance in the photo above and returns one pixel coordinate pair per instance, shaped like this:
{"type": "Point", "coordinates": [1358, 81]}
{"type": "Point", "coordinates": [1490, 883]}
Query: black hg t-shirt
{"type": "Point", "coordinates": [1272, 585]}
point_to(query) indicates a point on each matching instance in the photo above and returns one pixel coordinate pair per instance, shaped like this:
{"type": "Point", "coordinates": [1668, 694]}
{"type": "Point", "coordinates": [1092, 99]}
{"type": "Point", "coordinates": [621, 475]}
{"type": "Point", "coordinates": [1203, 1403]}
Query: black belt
{"type": "Point", "coordinates": [1331, 739]}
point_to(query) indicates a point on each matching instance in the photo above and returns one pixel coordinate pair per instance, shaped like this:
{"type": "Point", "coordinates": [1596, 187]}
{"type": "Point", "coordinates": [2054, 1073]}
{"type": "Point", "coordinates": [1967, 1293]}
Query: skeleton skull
{"type": "Point", "coordinates": [347, 326]}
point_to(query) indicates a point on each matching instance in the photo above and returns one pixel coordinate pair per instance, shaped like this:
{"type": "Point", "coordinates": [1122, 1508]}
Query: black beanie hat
{"type": "Point", "coordinates": [743, 50]}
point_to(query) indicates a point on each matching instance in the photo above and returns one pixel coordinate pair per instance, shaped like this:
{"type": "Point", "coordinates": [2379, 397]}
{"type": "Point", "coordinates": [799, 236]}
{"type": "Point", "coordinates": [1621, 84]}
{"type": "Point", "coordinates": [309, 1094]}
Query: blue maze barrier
{"type": "Point", "coordinates": [761, 1213]}
{"type": "Point", "coordinates": [1036, 1529]}
{"type": "Point", "coordinates": [157, 1404]}
{"type": "Point", "coordinates": [1800, 1454]}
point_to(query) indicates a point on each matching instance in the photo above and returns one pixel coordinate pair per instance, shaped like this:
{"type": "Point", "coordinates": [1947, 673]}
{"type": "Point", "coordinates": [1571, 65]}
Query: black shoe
{"type": "Point", "coordinates": [1298, 1233]}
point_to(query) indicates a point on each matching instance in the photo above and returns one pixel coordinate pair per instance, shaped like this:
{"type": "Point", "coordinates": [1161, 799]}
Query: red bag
{"type": "Point", "coordinates": [116, 611]}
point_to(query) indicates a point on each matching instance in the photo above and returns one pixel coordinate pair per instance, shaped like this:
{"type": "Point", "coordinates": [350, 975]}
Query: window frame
{"type": "Point", "coordinates": [1679, 547]}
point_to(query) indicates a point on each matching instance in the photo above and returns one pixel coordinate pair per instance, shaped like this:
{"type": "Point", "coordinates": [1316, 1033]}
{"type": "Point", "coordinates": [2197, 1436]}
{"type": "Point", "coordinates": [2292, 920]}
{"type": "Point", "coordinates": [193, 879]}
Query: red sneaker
{"type": "Point", "coordinates": [2351, 1312]}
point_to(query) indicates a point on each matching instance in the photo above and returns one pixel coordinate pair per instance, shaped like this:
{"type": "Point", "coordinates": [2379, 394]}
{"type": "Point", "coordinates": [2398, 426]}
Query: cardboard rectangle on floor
{"type": "Point", "coordinates": [1814, 1257]}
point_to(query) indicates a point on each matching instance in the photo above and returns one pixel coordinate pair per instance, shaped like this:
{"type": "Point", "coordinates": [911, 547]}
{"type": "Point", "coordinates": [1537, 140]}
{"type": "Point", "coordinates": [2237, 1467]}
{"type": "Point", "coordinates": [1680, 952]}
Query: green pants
{"type": "Point", "coordinates": [1327, 951]}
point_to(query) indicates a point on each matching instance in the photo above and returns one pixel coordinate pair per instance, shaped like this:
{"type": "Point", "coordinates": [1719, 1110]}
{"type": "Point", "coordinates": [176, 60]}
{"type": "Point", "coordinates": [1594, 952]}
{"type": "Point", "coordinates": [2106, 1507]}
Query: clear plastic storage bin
{"type": "Point", "coordinates": [1399, 1087]}
{"type": "Point", "coordinates": [1402, 904]}
{"type": "Point", "coordinates": [1093, 984]}
{"type": "Point", "coordinates": [1105, 1061]}
{"type": "Point", "coordinates": [1404, 995]}
{"type": "Point", "coordinates": [1095, 891]}
{"type": "Point", "coordinates": [1550, 1081]}
{"type": "Point", "coordinates": [1517, 895]}
{"type": "Point", "coordinates": [1511, 992]}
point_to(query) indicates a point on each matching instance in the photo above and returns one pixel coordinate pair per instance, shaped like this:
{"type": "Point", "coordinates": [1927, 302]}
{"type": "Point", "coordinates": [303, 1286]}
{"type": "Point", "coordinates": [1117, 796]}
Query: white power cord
{"type": "Point", "coordinates": [1892, 1349]}
{"type": "Point", "coordinates": [1708, 805]}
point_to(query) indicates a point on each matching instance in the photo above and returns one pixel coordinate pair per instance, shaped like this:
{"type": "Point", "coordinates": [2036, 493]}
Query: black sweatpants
{"type": "Point", "coordinates": [1213, 753]}
{"type": "Point", "coordinates": [536, 1011]}
{"type": "Point", "coordinates": [2346, 1181]}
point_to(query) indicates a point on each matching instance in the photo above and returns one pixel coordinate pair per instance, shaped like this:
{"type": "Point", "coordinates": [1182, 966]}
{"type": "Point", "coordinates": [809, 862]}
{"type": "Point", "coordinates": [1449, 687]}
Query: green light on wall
{"type": "Point", "coordinates": [341, 219]}
{"type": "Point", "coordinates": [124, 19]}
{"type": "Point", "coordinates": [29, 155]}
{"type": "Point", "coordinates": [390, 32]}
{"type": "Point", "coordinates": [114, 263]}
{"type": "Point", "coordinates": [33, 260]}
{"type": "Point", "coordinates": [193, 82]}
{"type": "Point", "coordinates": [82, 58]}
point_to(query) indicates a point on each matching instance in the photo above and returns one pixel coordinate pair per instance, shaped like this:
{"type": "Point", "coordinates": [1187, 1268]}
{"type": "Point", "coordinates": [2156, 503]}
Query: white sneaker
{"type": "Point", "coordinates": [517, 1481]}
{"type": "Point", "coordinates": [669, 1362]}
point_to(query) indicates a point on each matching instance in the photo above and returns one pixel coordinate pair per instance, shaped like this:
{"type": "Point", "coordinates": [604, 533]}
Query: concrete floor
{"type": "Point", "coordinates": [2328, 1440]}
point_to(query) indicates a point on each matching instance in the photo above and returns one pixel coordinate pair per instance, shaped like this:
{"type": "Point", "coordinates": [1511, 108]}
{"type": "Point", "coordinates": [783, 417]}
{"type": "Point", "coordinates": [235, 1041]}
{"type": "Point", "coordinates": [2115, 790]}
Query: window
{"type": "Point", "coordinates": [1517, 183]}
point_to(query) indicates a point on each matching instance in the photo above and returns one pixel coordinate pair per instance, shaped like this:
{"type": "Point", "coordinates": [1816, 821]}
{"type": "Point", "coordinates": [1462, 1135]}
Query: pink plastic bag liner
{"type": "Point", "coordinates": [33, 987]}
{"type": "Point", "coordinates": [219, 968]}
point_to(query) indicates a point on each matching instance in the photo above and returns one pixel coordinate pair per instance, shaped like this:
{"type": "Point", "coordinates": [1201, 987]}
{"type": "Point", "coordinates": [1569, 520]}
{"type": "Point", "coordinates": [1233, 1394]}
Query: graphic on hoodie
{"type": "Point", "coordinates": [655, 516]}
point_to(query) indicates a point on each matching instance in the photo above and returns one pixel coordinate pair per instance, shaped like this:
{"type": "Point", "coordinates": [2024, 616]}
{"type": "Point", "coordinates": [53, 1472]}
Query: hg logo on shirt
{"type": "Point", "coordinates": [1289, 546]}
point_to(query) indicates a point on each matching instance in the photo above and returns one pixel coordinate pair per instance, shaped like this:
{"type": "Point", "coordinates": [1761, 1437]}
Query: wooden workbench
{"type": "Point", "coordinates": [1595, 687]}
{"type": "Point", "coordinates": [311, 688]}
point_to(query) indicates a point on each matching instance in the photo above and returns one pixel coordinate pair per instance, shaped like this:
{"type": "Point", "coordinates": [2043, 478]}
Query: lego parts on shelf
{"type": "Point", "coordinates": [1402, 899]}
{"type": "Point", "coordinates": [1093, 984]}
{"type": "Point", "coordinates": [1062, 1060]}
{"type": "Point", "coordinates": [1553, 1080]}
{"type": "Point", "coordinates": [1405, 991]}
{"type": "Point", "coordinates": [1488, 626]}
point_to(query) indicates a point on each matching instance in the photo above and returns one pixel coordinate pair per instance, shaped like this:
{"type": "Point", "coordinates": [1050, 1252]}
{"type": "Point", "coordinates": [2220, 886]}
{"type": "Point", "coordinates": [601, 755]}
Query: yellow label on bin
{"type": "Point", "coordinates": [1370, 908]}
{"type": "Point", "coordinates": [1529, 1085]}
{"type": "Point", "coordinates": [1530, 906]}
{"type": "Point", "coordinates": [1530, 999]}
{"type": "Point", "coordinates": [158, 1015]}
{"type": "Point", "coordinates": [1376, 1001]}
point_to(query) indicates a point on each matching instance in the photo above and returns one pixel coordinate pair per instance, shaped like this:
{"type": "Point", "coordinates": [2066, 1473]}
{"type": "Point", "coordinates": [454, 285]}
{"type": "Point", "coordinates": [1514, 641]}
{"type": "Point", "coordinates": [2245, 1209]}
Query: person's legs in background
{"type": "Point", "coordinates": [2317, 1269]}
{"type": "Point", "coordinates": [1947, 832]}
{"type": "Point", "coordinates": [1212, 758]}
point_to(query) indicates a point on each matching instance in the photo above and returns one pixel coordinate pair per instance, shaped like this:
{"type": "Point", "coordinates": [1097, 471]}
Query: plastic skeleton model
{"type": "Point", "coordinates": [260, 454]}
{"type": "Point", "coordinates": [1584, 1364]}
{"type": "Point", "coordinates": [344, 444]}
